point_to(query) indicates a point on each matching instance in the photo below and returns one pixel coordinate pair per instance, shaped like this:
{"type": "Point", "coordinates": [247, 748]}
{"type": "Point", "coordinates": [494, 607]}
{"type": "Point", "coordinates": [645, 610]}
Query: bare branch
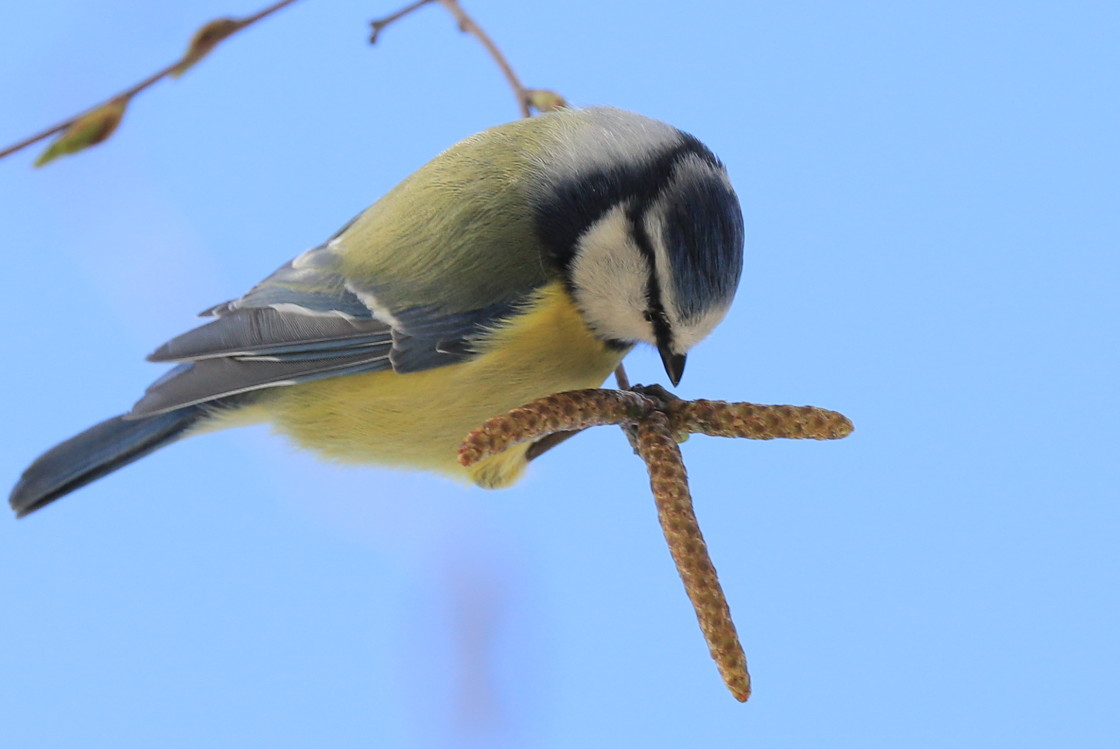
{"type": "Point", "coordinates": [528, 99]}
{"type": "Point", "coordinates": [194, 52]}
{"type": "Point", "coordinates": [469, 26]}
{"type": "Point", "coordinates": [381, 24]}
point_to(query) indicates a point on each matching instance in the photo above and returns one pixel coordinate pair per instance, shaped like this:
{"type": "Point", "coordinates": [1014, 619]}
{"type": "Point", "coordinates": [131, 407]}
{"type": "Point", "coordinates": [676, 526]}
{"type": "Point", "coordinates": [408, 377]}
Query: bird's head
{"type": "Point", "coordinates": [649, 232]}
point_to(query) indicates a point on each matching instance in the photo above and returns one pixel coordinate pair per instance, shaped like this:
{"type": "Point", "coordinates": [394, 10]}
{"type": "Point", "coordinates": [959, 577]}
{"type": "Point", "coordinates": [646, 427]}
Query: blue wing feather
{"type": "Point", "coordinates": [305, 323]}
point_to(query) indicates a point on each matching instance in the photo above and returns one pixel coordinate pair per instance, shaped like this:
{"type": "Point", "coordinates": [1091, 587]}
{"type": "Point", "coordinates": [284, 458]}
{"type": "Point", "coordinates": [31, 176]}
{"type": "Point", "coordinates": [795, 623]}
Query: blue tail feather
{"type": "Point", "coordinates": [98, 451]}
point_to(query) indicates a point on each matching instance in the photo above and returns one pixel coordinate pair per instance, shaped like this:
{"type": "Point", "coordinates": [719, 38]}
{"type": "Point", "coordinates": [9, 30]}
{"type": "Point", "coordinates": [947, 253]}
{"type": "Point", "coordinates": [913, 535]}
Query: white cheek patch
{"type": "Point", "coordinates": [609, 276]}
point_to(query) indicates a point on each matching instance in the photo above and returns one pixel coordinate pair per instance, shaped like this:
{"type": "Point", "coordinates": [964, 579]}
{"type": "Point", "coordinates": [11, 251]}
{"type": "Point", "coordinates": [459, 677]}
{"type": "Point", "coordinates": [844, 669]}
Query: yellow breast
{"type": "Point", "coordinates": [417, 420]}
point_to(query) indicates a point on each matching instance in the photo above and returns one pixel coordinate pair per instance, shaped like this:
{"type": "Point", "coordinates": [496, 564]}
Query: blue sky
{"type": "Point", "coordinates": [930, 191]}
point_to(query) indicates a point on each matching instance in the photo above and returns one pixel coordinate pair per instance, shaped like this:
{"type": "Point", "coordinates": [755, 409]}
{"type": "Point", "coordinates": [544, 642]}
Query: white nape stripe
{"type": "Point", "coordinates": [610, 277]}
{"type": "Point", "coordinates": [620, 138]}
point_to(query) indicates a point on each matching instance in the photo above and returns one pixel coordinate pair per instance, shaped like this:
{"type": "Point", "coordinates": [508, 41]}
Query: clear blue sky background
{"type": "Point", "coordinates": [931, 193]}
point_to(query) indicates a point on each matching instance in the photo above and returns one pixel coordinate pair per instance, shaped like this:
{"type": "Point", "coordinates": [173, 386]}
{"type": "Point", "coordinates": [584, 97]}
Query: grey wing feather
{"type": "Point", "coordinates": [270, 332]}
{"type": "Point", "coordinates": [425, 337]}
{"type": "Point", "coordinates": [310, 282]}
{"type": "Point", "coordinates": [303, 323]}
{"type": "Point", "coordinates": [210, 379]}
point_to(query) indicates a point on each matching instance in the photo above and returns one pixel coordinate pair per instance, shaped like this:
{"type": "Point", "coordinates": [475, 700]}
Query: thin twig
{"type": "Point", "coordinates": [469, 26]}
{"type": "Point", "coordinates": [620, 378]}
{"type": "Point", "coordinates": [265, 12]}
{"type": "Point", "coordinates": [130, 92]}
{"type": "Point", "coordinates": [380, 24]}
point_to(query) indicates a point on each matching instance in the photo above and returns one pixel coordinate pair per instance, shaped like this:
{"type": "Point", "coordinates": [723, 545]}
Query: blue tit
{"type": "Point", "coordinates": [524, 261]}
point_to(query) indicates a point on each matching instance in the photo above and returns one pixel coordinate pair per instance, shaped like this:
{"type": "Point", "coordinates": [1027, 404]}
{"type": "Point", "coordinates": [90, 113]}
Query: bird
{"type": "Point", "coordinates": [523, 261]}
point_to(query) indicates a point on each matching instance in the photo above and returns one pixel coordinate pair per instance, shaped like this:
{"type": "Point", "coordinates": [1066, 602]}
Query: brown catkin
{"type": "Point", "coordinates": [562, 412]}
{"type": "Point", "coordinates": [669, 482]}
{"type": "Point", "coordinates": [753, 421]}
{"type": "Point", "coordinates": [659, 420]}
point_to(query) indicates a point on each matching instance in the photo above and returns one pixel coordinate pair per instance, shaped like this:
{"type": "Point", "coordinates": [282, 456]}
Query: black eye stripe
{"type": "Point", "coordinates": [662, 330]}
{"type": "Point", "coordinates": [574, 204]}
